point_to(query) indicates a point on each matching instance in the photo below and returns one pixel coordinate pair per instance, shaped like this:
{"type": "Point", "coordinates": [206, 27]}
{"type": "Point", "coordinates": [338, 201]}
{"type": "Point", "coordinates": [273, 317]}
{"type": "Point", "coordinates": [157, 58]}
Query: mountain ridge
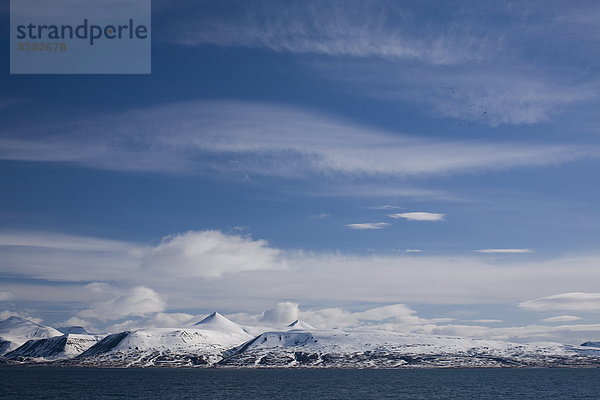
{"type": "Point", "coordinates": [216, 341]}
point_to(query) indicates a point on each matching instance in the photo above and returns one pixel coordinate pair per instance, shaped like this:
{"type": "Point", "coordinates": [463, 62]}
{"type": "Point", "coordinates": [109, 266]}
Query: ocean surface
{"type": "Point", "coordinates": [92, 383]}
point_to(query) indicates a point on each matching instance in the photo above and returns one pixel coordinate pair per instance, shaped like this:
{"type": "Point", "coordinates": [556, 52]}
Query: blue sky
{"type": "Point", "coordinates": [278, 152]}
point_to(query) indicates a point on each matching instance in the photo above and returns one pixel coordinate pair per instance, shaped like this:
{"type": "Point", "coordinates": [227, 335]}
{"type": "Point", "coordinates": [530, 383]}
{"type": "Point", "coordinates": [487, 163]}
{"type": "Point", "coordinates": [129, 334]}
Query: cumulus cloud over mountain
{"type": "Point", "coordinates": [211, 254]}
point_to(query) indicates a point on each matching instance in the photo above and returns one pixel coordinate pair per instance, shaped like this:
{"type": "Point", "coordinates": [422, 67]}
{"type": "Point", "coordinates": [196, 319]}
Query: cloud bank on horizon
{"type": "Point", "coordinates": [198, 269]}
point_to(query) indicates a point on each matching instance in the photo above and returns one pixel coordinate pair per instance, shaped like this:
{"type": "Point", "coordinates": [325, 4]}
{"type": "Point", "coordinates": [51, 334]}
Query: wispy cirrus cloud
{"type": "Point", "coordinates": [486, 321]}
{"type": "Point", "coordinates": [578, 301]}
{"type": "Point", "coordinates": [266, 139]}
{"type": "Point", "coordinates": [419, 216]}
{"type": "Point", "coordinates": [490, 95]}
{"type": "Point", "coordinates": [63, 257]}
{"type": "Point", "coordinates": [562, 318]}
{"type": "Point", "coordinates": [320, 216]}
{"type": "Point", "coordinates": [370, 187]}
{"type": "Point", "coordinates": [504, 251]}
{"type": "Point", "coordinates": [367, 225]}
{"type": "Point", "coordinates": [351, 28]}
{"type": "Point", "coordinates": [465, 65]}
{"type": "Point", "coordinates": [383, 207]}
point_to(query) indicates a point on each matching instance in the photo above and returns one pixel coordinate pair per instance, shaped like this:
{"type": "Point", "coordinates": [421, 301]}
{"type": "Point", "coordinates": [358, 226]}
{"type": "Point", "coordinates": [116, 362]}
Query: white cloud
{"type": "Point", "coordinates": [487, 321]}
{"type": "Point", "coordinates": [392, 317]}
{"type": "Point", "coordinates": [368, 225]}
{"type": "Point", "coordinates": [383, 207]}
{"type": "Point", "coordinates": [419, 216]}
{"type": "Point", "coordinates": [371, 189]}
{"type": "Point", "coordinates": [429, 279]}
{"type": "Point", "coordinates": [571, 334]}
{"type": "Point", "coordinates": [99, 287]}
{"type": "Point", "coordinates": [139, 301]}
{"type": "Point", "coordinates": [57, 241]}
{"type": "Point", "coordinates": [320, 216]}
{"type": "Point", "coordinates": [76, 321]}
{"type": "Point", "coordinates": [504, 251]}
{"type": "Point", "coordinates": [48, 292]}
{"type": "Point", "coordinates": [168, 320]}
{"type": "Point", "coordinates": [401, 318]}
{"type": "Point", "coordinates": [283, 313]}
{"type": "Point", "coordinates": [413, 251]}
{"type": "Point", "coordinates": [60, 257]}
{"type": "Point", "coordinates": [565, 301]}
{"type": "Point", "coordinates": [383, 313]}
{"type": "Point", "coordinates": [395, 317]}
{"type": "Point", "coordinates": [250, 138]}
{"type": "Point", "coordinates": [6, 296]}
{"type": "Point", "coordinates": [211, 254]}
{"type": "Point", "coordinates": [204, 254]}
{"type": "Point", "coordinates": [158, 320]}
{"type": "Point", "coordinates": [562, 318]}
{"type": "Point", "coordinates": [360, 279]}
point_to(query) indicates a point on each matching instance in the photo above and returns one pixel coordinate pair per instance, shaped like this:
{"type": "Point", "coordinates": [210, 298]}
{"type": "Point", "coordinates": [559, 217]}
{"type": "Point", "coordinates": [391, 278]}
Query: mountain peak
{"type": "Point", "coordinates": [19, 325]}
{"type": "Point", "coordinates": [299, 324]}
{"type": "Point", "coordinates": [590, 344]}
{"type": "Point", "coordinates": [214, 316]}
{"type": "Point", "coordinates": [14, 318]}
{"type": "Point", "coordinates": [14, 321]}
{"type": "Point", "coordinates": [217, 322]}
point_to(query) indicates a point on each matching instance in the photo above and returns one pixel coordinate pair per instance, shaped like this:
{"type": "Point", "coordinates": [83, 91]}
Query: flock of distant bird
{"type": "Point", "coordinates": [482, 108]}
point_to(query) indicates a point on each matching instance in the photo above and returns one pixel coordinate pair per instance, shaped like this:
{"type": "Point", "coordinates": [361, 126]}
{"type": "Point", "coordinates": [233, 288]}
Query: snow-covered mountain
{"type": "Point", "coordinates": [203, 344]}
{"type": "Point", "coordinates": [217, 322]}
{"type": "Point", "coordinates": [217, 341]}
{"type": "Point", "coordinates": [383, 349]}
{"type": "Point", "coordinates": [15, 331]}
{"type": "Point", "coordinates": [591, 344]}
{"type": "Point", "coordinates": [55, 348]}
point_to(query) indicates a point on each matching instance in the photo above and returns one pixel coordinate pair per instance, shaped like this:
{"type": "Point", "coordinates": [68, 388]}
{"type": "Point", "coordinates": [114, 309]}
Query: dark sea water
{"type": "Point", "coordinates": [83, 383]}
